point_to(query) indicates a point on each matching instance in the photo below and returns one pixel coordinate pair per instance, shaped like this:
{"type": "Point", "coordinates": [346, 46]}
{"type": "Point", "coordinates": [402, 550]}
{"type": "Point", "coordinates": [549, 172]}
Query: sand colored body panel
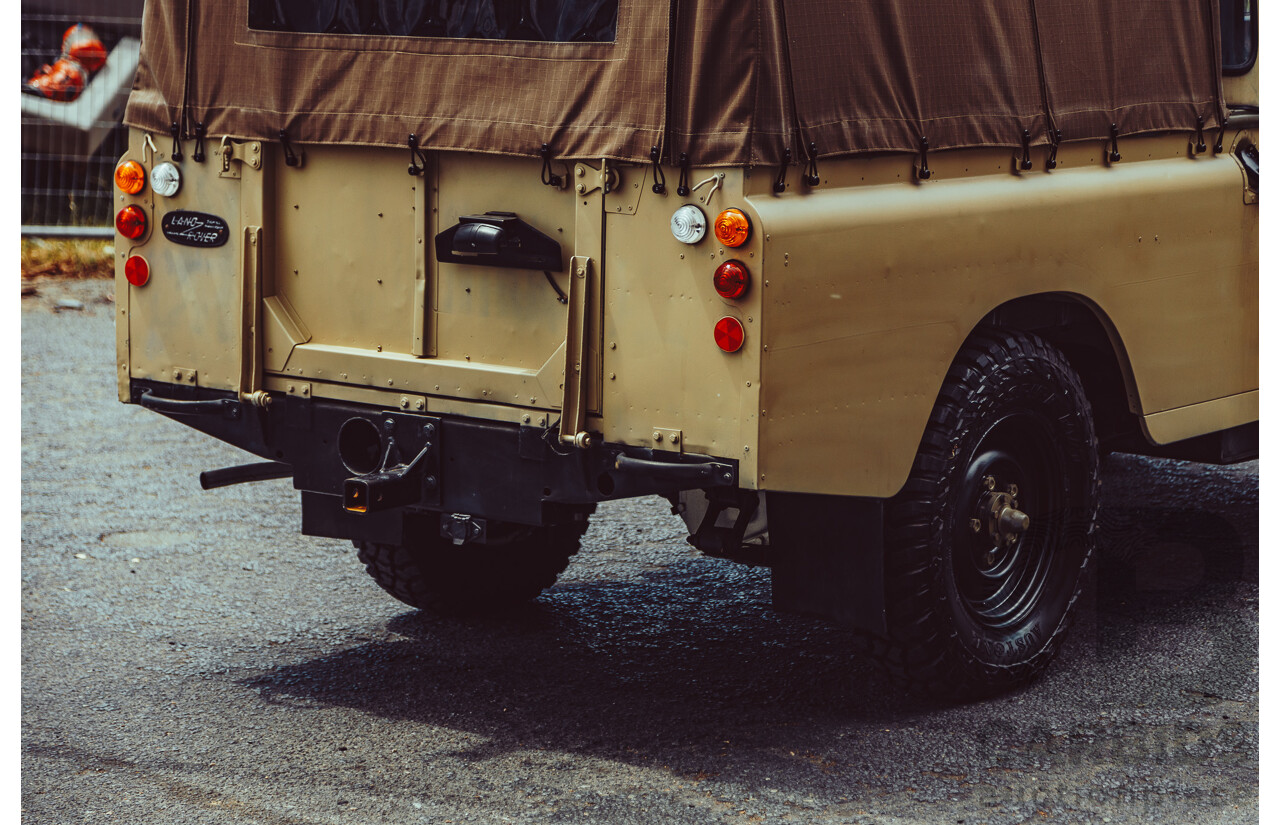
{"type": "Point", "coordinates": [880, 283]}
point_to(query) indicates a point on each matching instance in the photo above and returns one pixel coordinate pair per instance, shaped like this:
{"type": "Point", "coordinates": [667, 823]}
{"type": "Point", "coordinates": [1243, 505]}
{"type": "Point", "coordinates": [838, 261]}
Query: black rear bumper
{"type": "Point", "coordinates": [491, 470]}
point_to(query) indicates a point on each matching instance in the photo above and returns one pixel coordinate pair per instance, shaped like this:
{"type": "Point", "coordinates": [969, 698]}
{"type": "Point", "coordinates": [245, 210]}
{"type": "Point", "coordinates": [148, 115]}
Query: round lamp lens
{"type": "Point", "coordinates": [131, 178]}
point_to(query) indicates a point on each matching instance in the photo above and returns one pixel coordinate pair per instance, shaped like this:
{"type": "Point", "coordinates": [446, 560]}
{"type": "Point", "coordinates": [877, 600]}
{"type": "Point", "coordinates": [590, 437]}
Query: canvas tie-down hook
{"type": "Point", "coordinates": [290, 159]}
{"type": "Point", "coordinates": [780, 185]}
{"type": "Point", "coordinates": [1114, 154]}
{"type": "Point", "coordinates": [415, 155]}
{"type": "Point", "coordinates": [225, 150]}
{"type": "Point", "coordinates": [1055, 139]}
{"type": "Point", "coordinates": [811, 177]}
{"type": "Point", "coordinates": [1025, 164]}
{"type": "Point", "coordinates": [549, 178]}
{"type": "Point", "coordinates": [682, 189]}
{"type": "Point", "coordinates": [176, 131]}
{"type": "Point", "coordinates": [659, 179]}
{"type": "Point", "coordinates": [198, 153]}
{"type": "Point", "coordinates": [922, 171]}
{"type": "Point", "coordinates": [148, 147]}
{"type": "Point", "coordinates": [1199, 147]}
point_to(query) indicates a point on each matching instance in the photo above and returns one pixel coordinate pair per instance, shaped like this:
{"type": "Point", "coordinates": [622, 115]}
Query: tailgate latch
{"type": "Point", "coordinates": [498, 239]}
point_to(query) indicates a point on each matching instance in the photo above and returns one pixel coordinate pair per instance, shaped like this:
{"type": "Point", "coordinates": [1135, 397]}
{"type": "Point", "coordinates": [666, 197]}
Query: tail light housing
{"type": "Point", "coordinates": [131, 222]}
{"type": "Point", "coordinates": [729, 334]}
{"type": "Point", "coordinates": [732, 279]}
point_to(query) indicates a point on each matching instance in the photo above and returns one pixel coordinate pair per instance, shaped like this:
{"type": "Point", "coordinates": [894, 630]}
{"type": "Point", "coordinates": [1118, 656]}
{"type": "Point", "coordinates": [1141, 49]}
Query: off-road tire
{"type": "Point", "coordinates": [433, 574]}
{"type": "Point", "coordinates": [960, 625]}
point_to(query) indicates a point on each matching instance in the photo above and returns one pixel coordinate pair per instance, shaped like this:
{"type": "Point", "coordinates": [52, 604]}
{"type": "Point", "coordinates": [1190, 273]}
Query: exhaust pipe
{"type": "Point", "coordinates": [261, 471]}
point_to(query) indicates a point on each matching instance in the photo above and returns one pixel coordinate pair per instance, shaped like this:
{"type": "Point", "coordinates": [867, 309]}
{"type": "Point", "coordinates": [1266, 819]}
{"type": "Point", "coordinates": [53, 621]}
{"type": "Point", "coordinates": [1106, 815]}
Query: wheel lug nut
{"type": "Point", "coordinates": [975, 525]}
{"type": "Point", "coordinates": [1013, 490]}
{"type": "Point", "coordinates": [989, 482]}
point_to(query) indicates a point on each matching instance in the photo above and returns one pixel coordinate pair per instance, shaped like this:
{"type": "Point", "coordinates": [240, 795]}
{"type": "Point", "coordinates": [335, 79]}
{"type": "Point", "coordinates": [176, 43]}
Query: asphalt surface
{"type": "Point", "coordinates": [188, 657]}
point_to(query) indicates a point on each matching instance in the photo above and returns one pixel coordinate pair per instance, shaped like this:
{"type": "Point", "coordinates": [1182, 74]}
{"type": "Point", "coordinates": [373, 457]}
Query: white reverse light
{"type": "Point", "coordinates": [688, 224]}
{"type": "Point", "coordinates": [166, 180]}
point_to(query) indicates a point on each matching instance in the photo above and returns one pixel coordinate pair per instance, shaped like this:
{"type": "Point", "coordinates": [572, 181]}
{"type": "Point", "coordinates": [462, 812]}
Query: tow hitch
{"type": "Point", "coordinates": [391, 487]}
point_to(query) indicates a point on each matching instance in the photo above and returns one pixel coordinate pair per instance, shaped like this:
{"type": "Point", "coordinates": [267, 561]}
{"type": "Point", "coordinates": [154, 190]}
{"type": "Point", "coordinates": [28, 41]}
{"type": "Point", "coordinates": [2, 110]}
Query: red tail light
{"type": "Point", "coordinates": [730, 334]}
{"type": "Point", "coordinates": [732, 279]}
{"type": "Point", "coordinates": [131, 222]}
{"type": "Point", "coordinates": [136, 270]}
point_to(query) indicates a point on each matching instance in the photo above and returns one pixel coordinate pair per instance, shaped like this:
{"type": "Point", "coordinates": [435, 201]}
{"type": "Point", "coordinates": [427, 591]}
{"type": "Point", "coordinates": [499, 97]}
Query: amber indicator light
{"type": "Point", "coordinates": [131, 222]}
{"type": "Point", "coordinates": [729, 334]}
{"type": "Point", "coordinates": [732, 228]}
{"type": "Point", "coordinates": [732, 279]}
{"type": "Point", "coordinates": [137, 271]}
{"type": "Point", "coordinates": [131, 178]}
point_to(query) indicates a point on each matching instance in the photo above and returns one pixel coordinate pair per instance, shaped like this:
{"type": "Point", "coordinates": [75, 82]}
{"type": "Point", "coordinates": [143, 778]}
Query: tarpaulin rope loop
{"type": "Point", "coordinates": [682, 189]}
{"type": "Point", "coordinates": [923, 172]}
{"type": "Point", "coordinates": [1025, 164]}
{"type": "Point", "coordinates": [549, 178]}
{"type": "Point", "coordinates": [780, 185]}
{"type": "Point", "coordinates": [811, 177]}
{"type": "Point", "coordinates": [290, 159]}
{"type": "Point", "coordinates": [198, 154]}
{"type": "Point", "coordinates": [415, 155]}
{"type": "Point", "coordinates": [1055, 139]}
{"type": "Point", "coordinates": [659, 179]}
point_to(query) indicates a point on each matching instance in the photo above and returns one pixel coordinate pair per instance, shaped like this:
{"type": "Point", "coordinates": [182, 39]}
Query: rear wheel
{"type": "Point", "coordinates": [431, 573]}
{"type": "Point", "coordinates": [987, 543]}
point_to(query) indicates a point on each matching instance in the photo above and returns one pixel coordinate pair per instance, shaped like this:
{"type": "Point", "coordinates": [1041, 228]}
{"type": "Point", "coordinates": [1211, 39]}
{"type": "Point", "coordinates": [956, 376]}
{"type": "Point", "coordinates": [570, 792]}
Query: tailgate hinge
{"type": "Point", "coordinates": [573, 409]}
{"type": "Point", "coordinates": [249, 153]}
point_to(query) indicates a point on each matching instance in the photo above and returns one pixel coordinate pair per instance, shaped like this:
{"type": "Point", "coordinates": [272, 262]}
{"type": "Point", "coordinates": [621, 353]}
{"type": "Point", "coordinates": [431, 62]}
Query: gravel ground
{"type": "Point", "coordinates": [188, 657]}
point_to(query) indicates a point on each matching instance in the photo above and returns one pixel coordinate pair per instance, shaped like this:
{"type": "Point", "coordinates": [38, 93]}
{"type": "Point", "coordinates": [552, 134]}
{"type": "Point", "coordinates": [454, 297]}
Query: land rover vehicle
{"type": "Point", "coordinates": [865, 289]}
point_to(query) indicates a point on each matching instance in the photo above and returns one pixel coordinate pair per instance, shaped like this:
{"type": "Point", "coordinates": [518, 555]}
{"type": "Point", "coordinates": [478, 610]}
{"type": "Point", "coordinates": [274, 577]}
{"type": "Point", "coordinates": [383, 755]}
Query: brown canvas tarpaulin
{"type": "Point", "coordinates": [1146, 67]}
{"type": "Point", "coordinates": [878, 76]}
{"type": "Point", "coordinates": [583, 99]}
{"type": "Point", "coordinates": [748, 81]}
{"type": "Point", "coordinates": [730, 101]}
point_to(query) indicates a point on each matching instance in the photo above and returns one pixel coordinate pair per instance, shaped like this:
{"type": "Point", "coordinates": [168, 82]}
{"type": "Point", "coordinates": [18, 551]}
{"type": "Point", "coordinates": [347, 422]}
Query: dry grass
{"type": "Point", "coordinates": [51, 258]}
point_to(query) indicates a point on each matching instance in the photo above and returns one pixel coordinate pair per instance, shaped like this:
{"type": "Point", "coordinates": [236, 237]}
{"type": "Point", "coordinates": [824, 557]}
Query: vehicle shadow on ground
{"type": "Point", "coordinates": [690, 666]}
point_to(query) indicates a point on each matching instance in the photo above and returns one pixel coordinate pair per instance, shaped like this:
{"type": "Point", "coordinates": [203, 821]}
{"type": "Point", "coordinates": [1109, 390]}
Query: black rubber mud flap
{"type": "Point", "coordinates": [828, 557]}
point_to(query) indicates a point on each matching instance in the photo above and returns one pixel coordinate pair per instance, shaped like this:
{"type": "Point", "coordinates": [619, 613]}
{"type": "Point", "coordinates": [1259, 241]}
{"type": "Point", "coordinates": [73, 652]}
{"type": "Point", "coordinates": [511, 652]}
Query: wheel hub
{"type": "Point", "coordinates": [998, 518]}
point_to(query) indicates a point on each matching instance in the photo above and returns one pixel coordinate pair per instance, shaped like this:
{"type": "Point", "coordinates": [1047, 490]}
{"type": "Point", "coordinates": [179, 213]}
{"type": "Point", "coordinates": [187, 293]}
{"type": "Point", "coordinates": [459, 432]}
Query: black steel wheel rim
{"type": "Point", "coordinates": [1001, 580]}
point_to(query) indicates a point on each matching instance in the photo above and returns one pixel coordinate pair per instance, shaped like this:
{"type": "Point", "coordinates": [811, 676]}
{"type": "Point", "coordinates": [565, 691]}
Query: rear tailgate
{"type": "Point", "coordinates": [330, 285]}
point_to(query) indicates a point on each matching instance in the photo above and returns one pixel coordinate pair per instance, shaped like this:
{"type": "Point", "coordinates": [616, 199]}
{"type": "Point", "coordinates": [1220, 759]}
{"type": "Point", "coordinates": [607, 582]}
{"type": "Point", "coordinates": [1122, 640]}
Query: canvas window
{"type": "Point", "coordinates": [556, 21]}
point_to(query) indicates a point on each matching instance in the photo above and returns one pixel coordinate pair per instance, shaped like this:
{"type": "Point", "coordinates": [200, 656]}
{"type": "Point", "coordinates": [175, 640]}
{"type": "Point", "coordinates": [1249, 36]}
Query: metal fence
{"type": "Point", "coordinates": [70, 149]}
